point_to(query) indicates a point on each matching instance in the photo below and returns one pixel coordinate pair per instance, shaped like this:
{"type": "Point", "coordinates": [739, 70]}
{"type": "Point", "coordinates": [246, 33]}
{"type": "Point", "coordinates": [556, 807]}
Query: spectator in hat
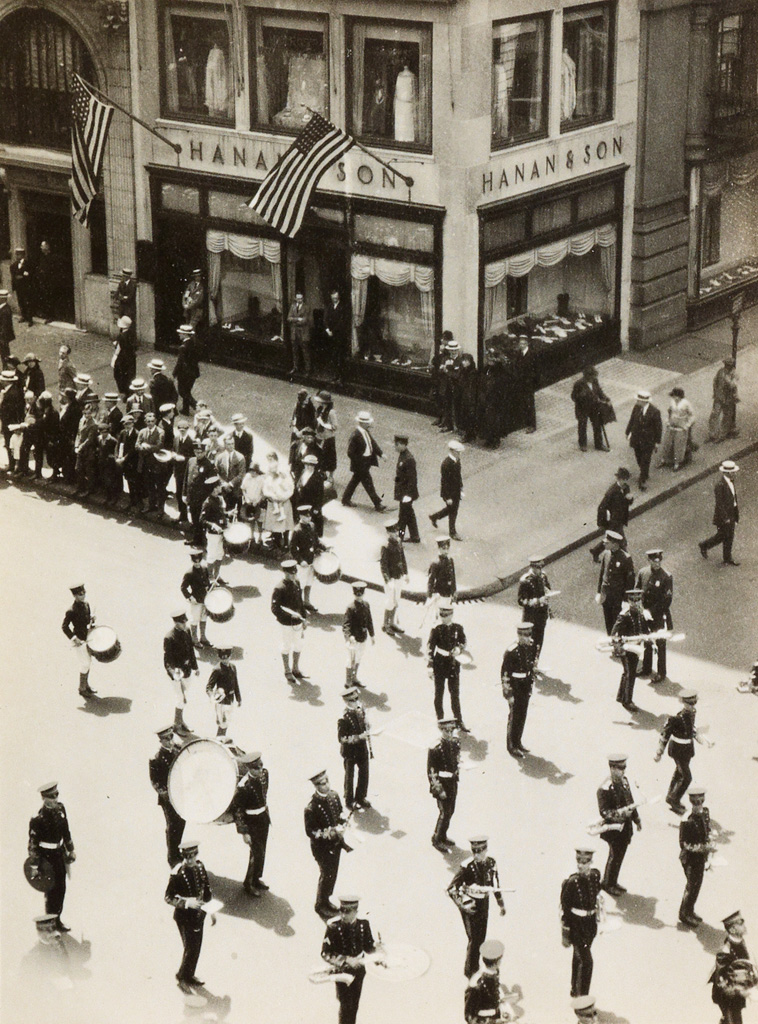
{"type": "Point", "coordinates": [48, 436]}
{"type": "Point", "coordinates": [495, 398]}
{"type": "Point", "coordinates": [358, 630]}
{"type": "Point", "coordinates": [723, 419]}
{"type": "Point", "coordinates": [346, 941]}
{"type": "Point", "coordinates": [34, 378]}
{"type": "Point", "coordinates": [139, 402]}
{"type": "Point", "coordinates": [223, 689]}
{"type": "Point", "coordinates": [160, 767]}
{"type": "Point", "coordinates": [587, 396]}
{"type": "Point", "coordinates": [406, 490]}
{"type": "Point", "coordinates": [70, 417]}
{"type": "Point", "coordinates": [85, 451]}
{"type": "Point", "coordinates": [244, 442]}
{"type": "Point", "coordinates": [126, 295]}
{"type": "Point", "coordinates": [394, 569]}
{"type": "Point", "coordinates": [299, 335]}
{"type": "Point", "coordinates": [253, 502]}
{"type": "Point", "coordinates": [677, 437]}
{"type": "Point", "coordinates": [644, 430]}
{"type": "Point", "coordinates": [149, 442]}
{"type": "Point", "coordinates": [187, 890]}
{"type": "Point", "coordinates": [67, 372]}
{"type": "Point", "coordinates": [183, 449]}
{"type": "Point", "coordinates": [451, 488]}
{"type": "Point", "coordinates": [46, 280]}
{"type": "Point", "coordinates": [109, 476]}
{"type": "Point", "coordinates": [525, 381]}
{"type": "Point", "coordinates": [695, 846]}
{"type": "Point", "coordinates": [193, 299]}
{"type": "Point", "coordinates": [252, 818]}
{"type": "Point", "coordinates": [29, 432]}
{"type": "Point", "coordinates": [12, 407]}
{"type": "Point", "coordinates": [363, 453]}
{"type": "Point", "coordinates": [187, 368]}
{"type": "Point", "coordinates": [466, 398]}
{"type": "Point", "coordinates": [447, 388]}
{"type": "Point", "coordinates": [112, 413]}
{"type": "Point", "coordinates": [127, 460]}
{"type": "Point", "coordinates": [631, 622]}
{"type": "Point", "coordinates": [162, 390]}
{"type": "Point", "coordinates": [7, 334]}
{"type": "Point", "coordinates": [230, 466]}
{"type": "Point", "coordinates": [309, 492]}
{"type": "Point", "coordinates": [326, 432]}
{"type": "Point", "coordinates": [303, 415]}
{"type": "Point", "coordinates": [337, 329]}
{"type": "Point", "coordinates": [124, 358]}
{"type": "Point", "coordinates": [613, 510]}
{"type": "Point", "coordinates": [580, 908]}
{"type": "Point", "coordinates": [22, 282]}
{"type": "Point", "coordinates": [726, 513]}
{"type": "Point", "coordinates": [305, 444]}
{"type": "Point", "coordinates": [278, 489]}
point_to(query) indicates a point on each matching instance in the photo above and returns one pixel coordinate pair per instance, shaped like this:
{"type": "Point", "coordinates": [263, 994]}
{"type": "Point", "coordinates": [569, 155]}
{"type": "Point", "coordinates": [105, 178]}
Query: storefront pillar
{"type": "Point", "coordinates": [693, 259]}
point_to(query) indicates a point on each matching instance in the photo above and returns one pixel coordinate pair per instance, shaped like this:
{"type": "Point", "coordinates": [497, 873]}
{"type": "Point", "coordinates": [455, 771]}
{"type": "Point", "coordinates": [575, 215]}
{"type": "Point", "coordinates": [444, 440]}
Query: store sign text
{"type": "Point", "coordinates": [553, 164]}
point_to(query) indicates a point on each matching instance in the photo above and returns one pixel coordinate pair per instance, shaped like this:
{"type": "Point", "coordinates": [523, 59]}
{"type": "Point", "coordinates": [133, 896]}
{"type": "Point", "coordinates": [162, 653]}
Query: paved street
{"type": "Point", "coordinates": [257, 959]}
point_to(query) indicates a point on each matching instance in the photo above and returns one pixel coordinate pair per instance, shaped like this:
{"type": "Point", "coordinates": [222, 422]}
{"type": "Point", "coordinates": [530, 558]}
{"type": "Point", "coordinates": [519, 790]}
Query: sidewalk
{"type": "Point", "coordinates": [537, 494]}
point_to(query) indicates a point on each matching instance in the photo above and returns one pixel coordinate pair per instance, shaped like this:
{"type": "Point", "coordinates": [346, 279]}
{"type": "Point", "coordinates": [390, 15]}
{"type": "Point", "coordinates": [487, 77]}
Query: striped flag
{"type": "Point", "coordinates": [90, 121]}
{"type": "Point", "coordinates": [283, 196]}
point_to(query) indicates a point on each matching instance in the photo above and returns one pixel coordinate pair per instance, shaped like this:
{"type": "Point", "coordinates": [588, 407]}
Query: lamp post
{"type": "Point", "coordinates": [737, 304]}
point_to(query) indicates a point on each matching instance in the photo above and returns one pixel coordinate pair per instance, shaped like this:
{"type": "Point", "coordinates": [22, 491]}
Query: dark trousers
{"type": "Point", "coordinates": [86, 471]}
{"type": "Point", "coordinates": [349, 997]}
{"type": "Point", "coordinates": [597, 437]}
{"type": "Point", "coordinates": [659, 621]}
{"type": "Point", "coordinates": [258, 841]}
{"type": "Point", "coordinates": [643, 454]}
{"type": "Point", "coordinates": [55, 896]}
{"type": "Point", "coordinates": [694, 866]}
{"type": "Point", "coordinates": [618, 843]}
{"type": "Point", "coordinates": [538, 620]}
{"type": "Point", "coordinates": [476, 930]}
{"type": "Point", "coordinates": [190, 924]}
{"type": "Point", "coordinates": [7, 439]}
{"type": "Point", "coordinates": [174, 831]}
{"type": "Point", "coordinates": [361, 475]}
{"type": "Point", "coordinates": [198, 534]}
{"type": "Point", "coordinates": [581, 969]}
{"type": "Point", "coordinates": [451, 511]}
{"type": "Point", "coordinates": [680, 780]}
{"type": "Point", "coordinates": [179, 484]}
{"type": "Point", "coordinates": [328, 860]}
{"type": "Point", "coordinates": [453, 680]}
{"type": "Point", "coordinates": [517, 720]}
{"type": "Point", "coordinates": [134, 482]}
{"type": "Point", "coordinates": [151, 483]}
{"type": "Point", "coordinates": [300, 348]}
{"type": "Point", "coordinates": [611, 609]}
{"type": "Point", "coordinates": [731, 1008]}
{"type": "Point", "coordinates": [528, 408]}
{"type": "Point", "coordinates": [357, 762]}
{"type": "Point", "coordinates": [24, 304]}
{"type": "Point", "coordinates": [186, 397]}
{"type": "Point", "coordinates": [446, 807]}
{"type": "Point", "coordinates": [724, 536]}
{"type": "Point", "coordinates": [406, 520]}
{"type": "Point", "coordinates": [630, 661]}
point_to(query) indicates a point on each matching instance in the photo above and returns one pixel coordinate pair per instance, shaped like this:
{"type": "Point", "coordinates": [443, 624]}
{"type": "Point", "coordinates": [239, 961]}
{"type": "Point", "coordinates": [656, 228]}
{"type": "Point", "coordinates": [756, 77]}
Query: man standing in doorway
{"type": "Point", "coordinates": [300, 341]}
{"type": "Point", "coordinates": [337, 326]}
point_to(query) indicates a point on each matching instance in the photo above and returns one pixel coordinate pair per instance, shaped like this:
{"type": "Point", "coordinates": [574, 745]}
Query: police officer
{"type": "Point", "coordinates": [483, 995]}
{"type": "Point", "coordinates": [324, 825]}
{"type": "Point", "coordinates": [355, 747]}
{"type": "Point", "coordinates": [160, 766]}
{"type": "Point", "coordinates": [616, 806]}
{"type": "Point", "coordinates": [442, 770]}
{"type": "Point", "coordinates": [187, 890]}
{"type": "Point", "coordinates": [358, 630]}
{"type": "Point", "coordinates": [289, 610]}
{"type": "Point", "coordinates": [657, 586]}
{"type": "Point", "coordinates": [50, 840]}
{"type": "Point", "coordinates": [348, 938]}
{"type": "Point", "coordinates": [77, 622]}
{"type": "Point", "coordinates": [580, 906]}
{"type": "Point", "coordinates": [440, 583]}
{"type": "Point", "coordinates": [517, 678]}
{"type": "Point", "coordinates": [252, 818]}
{"type": "Point", "coordinates": [631, 622]}
{"type": "Point", "coordinates": [680, 734]}
{"type": "Point", "coordinates": [695, 845]}
{"type": "Point", "coordinates": [179, 661]}
{"type": "Point", "coordinates": [406, 489]}
{"type": "Point", "coordinates": [470, 891]}
{"type": "Point", "coordinates": [194, 587]}
{"type": "Point", "coordinates": [616, 577]}
{"type": "Point", "coordinates": [446, 639]}
{"type": "Point", "coordinates": [223, 689]}
{"type": "Point", "coordinates": [532, 588]}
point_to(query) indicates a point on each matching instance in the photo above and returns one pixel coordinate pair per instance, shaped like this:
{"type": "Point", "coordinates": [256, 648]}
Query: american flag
{"type": "Point", "coordinates": [90, 121]}
{"type": "Point", "coordinates": [283, 196]}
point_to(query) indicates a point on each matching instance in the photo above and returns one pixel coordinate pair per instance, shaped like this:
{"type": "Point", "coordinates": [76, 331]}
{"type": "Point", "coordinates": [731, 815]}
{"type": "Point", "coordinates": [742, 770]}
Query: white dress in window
{"type": "Point", "coordinates": [216, 83]}
{"type": "Point", "coordinates": [405, 106]}
{"type": "Point", "coordinates": [568, 86]}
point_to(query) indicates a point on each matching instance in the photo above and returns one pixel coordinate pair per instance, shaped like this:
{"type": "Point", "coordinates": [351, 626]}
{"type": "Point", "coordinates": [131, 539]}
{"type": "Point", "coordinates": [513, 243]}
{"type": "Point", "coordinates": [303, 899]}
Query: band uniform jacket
{"type": "Point", "coordinates": [616, 573]}
{"type": "Point", "coordinates": [77, 621]}
{"type": "Point", "coordinates": [679, 732]}
{"type": "Point", "coordinates": [347, 939]}
{"type": "Point", "coordinates": [531, 587]}
{"type": "Point", "coordinates": [250, 802]}
{"type": "Point", "coordinates": [441, 577]}
{"type": "Point", "coordinates": [726, 510]}
{"type": "Point", "coordinates": [694, 831]}
{"type": "Point", "coordinates": [223, 681]}
{"type": "Point", "coordinates": [321, 813]}
{"type": "Point", "coordinates": [178, 652]}
{"type": "Point", "coordinates": [288, 596]}
{"type": "Point", "coordinates": [188, 881]}
{"type": "Point", "coordinates": [406, 477]}
{"type": "Point", "coordinates": [442, 639]}
{"type": "Point", "coordinates": [733, 949]}
{"type": "Point", "coordinates": [304, 543]}
{"type": "Point", "coordinates": [451, 479]}
{"type": "Point", "coordinates": [630, 623]}
{"type": "Point", "coordinates": [517, 670]}
{"type": "Point", "coordinates": [357, 623]}
{"type": "Point", "coordinates": [350, 726]}
{"type": "Point", "coordinates": [657, 586]}
{"type": "Point", "coordinates": [482, 999]}
{"type": "Point", "coordinates": [645, 428]}
{"type": "Point", "coordinates": [213, 514]}
{"type": "Point", "coordinates": [159, 768]}
{"type": "Point", "coordinates": [49, 827]}
{"type": "Point", "coordinates": [392, 562]}
{"type": "Point", "coordinates": [356, 450]}
{"type": "Point", "coordinates": [442, 765]}
{"type": "Point", "coordinates": [475, 872]}
{"type": "Point", "coordinates": [580, 892]}
{"type": "Point", "coordinates": [244, 443]}
{"type": "Point", "coordinates": [610, 798]}
{"type": "Point", "coordinates": [613, 510]}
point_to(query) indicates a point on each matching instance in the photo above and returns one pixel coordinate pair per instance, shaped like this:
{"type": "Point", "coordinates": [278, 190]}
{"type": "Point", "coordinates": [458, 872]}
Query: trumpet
{"type": "Point", "coordinates": [611, 643]}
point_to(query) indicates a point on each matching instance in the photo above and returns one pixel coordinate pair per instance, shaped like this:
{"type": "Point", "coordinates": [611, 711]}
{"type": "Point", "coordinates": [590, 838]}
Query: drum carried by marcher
{"type": "Point", "coordinates": [237, 538]}
{"type": "Point", "coordinates": [326, 566]}
{"type": "Point", "coordinates": [39, 874]}
{"type": "Point", "coordinates": [219, 604]}
{"type": "Point", "coordinates": [202, 782]}
{"type": "Point", "coordinates": [103, 644]}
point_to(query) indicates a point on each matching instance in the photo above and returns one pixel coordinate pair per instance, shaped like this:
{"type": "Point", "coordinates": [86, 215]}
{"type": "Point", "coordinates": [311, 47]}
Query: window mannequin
{"type": "Point", "coordinates": [406, 106]}
{"type": "Point", "coordinates": [568, 86]}
{"type": "Point", "coordinates": [216, 82]}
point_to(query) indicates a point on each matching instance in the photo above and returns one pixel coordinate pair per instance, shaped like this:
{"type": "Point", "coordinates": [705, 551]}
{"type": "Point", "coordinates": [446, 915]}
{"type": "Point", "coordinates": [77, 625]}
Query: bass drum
{"type": "Point", "coordinates": [202, 782]}
{"type": "Point", "coordinates": [326, 566]}
{"type": "Point", "coordinates": [103, 644]}
{"type": "Point", "coordinates": [237, 538]}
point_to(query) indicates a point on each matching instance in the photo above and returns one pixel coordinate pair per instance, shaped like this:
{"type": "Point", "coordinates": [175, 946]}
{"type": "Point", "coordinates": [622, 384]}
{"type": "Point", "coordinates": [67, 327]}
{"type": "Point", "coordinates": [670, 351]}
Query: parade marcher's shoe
{"type": "Point", "coordinates": [462, 727]}
{"type": "Point", "coordinates": [260, 884]}
{"type": "Point", "coordinates": [364, 805]}
{"type": "Point", "coordinates": [381, 507]}
{"type": "Point", "coordinates": [185, 988]}
{"type": "Point", "coordinates": [61, 926]}
{"type": "Point", "coordinates": [730, 561]}
{"type": "Point", "coordinates": [433, 521]}
{"type": "Point", "coordinates": [643, 674]}
{"type": "Point", "coordinates": [455, 536]}
{"type": "Point", "coordinates": [524, 750]}
{"type": "Point", "coordinates": [413, 540]}
{"type": "Point", "coordinates": [518, 754]}
{"type": "Point", "coordinates": [703, 549]}
{"type": "Point", "coordinates": [582, 447]}
{"type": "Point", "coordinates": [690, 922]}
{"type": "Point", "coordinates": [439, 845]}
{"type": "Point", "coordinates": [676, 808]}
{"type": "Point", "coordinates": [657, 678]}
{"type": "Point", "coordinates": [613, 890]}
{"type": "Point", "coordinates": [195, 981]}
{"type": "Point", "coordinates": [630, 706]}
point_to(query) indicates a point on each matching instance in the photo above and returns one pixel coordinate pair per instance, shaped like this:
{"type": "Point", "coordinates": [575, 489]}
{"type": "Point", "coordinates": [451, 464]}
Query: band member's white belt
{"type": "Point", "coordinates": [582, 913]}
{"type": "Point", "coordinates": [678, 739]}
{"type": "Point", "coordinates": [256, 810]}
{"type": "Point", "coordinates": [519, 675]}
{"type": "Point", "coordinates": [439, 650]}
{"type": "Point", "coordinates": [446, 775]}
{"type": "Point", "coordinates": [51, 846]}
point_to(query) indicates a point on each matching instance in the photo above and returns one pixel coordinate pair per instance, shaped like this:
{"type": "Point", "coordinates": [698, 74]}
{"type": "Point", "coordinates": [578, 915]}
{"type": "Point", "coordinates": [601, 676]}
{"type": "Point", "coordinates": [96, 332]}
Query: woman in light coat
{"type": "Point", "coordinates": [677, 437]}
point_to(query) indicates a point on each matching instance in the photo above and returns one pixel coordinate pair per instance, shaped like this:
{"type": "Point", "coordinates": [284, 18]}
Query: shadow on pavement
{"type": "Point", "coordinates": [244, 591]}
{"type": "Point", "coordinates": [205, 1006]}
{"type": "Point", "coordinates": [637, 909]}
{"type": "Point", "coordinates": [644, 720]}
{"type": "Point", "coordinates": [454, 857]}
{"type": "Point", "coordinates": [58, 964]}
{"type": "Point", "coordinates": [551, 686]}
{"type": "Point", "coordinates": [607, 1017]}
{"type": "Point", "coordinates": [372, 821]}
{"type": "Point", "coordinates": [410, 646]}
{"type": "Point", "coordinates": [710, 938]}
{"type": "Point", "coordinates": [269, 911]}
{"type": "Point", "coordinates": [719, 834]}
{"type": "Point", "coordinates": [475, 748]}
{"type": "Point", "coordinates": [306, 692]}
{"type": "Point", "coordinates": [328, 621]}
{"type": "Point", "coordinates": [375, 701]}
{"type": "Point", "coordinates": [667, 689]}
{"type": "Point", "coordinates": [101, 707]}
{"type": "Point", "coordinates": [540, 768]}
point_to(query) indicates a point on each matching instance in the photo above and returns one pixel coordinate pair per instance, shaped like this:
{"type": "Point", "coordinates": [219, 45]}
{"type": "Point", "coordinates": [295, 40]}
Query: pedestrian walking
{"type": "Point", "coordinates": [723, 419]}
{"type": "Point", "coordinates": [160, 766]}
{"type": "Point", "coordinates": [616, 577]}
{"type": "Point", "coordinates": [618, 813]}
{"type": "Point", "coordinates": [580, 908]}
{"type": "Point", "coordinates": [363, 453]}
{"type": "Point", "coordinates": [677, 438]}
{"type": "Point", "coordinates": [348, 939]}
{"type": "Point", "coordinates": [442, 771]}
{"type": "Point", "coordinates": [451, 489]}
{"type": "Point", "coordinates": [726, 513]}
{"type": "Point", "coordinates": [630, 625]}
{"type": "Point", "coordinates": [22, 282]}
{"type": "Point", "coordinates": [187, 891]}
{"type": "Point", "coordinates": [355, 748]}
{"type": "Point", "coordinates": [324, 825]}
{"type": "Point", "coordinates": [644, 430]}
{"type": "Point", "coordinates": [406, 490]}
{"type": "Point", "coordinates": [289, 610]}
{"type": "Point", "coordinates": [179, 662]}
{"type": "Point", "coordinates": [187, 368]}
{"type": "Point", "coordinates": [732, 980]}
{"type": "Point", "coordinates": [532, 597]}
{"type": "Point", "coordinates": [162, 388]}
{"type": "Point", "coordinates": [517, 679]}
{"type": "Point", "coordinates": [591, 405]}
{"type": "Point", "coordinates": [695, 845]}
{"type": "Point", "coordinates": [657, 586]}
{"type": "Point", "coordinates": [252, 818]}
{"type": "Point", "coordinates": [470, 890]}
{"type": "Point", "coordinates": [299, 336]}
{"type": "Point", "coordinates": [678, 736]}
{"type": "Point", "coordinates": [394, 569]}
{"type": "Point", "coordinates": [484, 996]}
{"type": "Point", "coordinates": [77, 622]}
{"type": "Point", "coordinates": [358, 630]}
{"type": "Point", "coordinates": [50, 841]}
{"type": "Point", "coordinates": [446, 640]}
{"type": "Point", "coordinates": [124, 358]}
{"type": "Point", "coordinates": [440, 582]}
{"type": "Point", "coordinates": [223, 690]}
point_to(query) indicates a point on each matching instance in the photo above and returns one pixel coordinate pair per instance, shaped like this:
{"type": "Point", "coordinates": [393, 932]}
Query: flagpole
{"type": "Point", "coordinates": [174, 145]}
{"type": "Point", "coordinates": [405, 178]}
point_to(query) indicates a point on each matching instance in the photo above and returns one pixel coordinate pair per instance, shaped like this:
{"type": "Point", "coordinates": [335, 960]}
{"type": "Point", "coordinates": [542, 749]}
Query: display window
{"type": "Point", "coordinates": [390, 83]}
{"type": "Point", "coordinates": [289, 69]}
{"type": "Point", "coordinates": [729, 224]}
{"type": "Point", "coordinates": [736, 78]}
{"type": "Point", "coordinates": [393, 312]}
{"type": "Point", "coordinates": [587, 66]}
{"type": "Point", "coordinates": [520, 78]}
{"type": "Point", "coordinates": [198, 66]}
{"type": "Point", "coordinates": [245, 284]}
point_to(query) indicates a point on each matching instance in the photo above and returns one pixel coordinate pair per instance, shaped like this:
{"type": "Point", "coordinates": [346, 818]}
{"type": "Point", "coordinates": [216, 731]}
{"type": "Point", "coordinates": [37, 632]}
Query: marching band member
{"type": "Point", "coordinates": [252, 819]}
{"type": "Point", "coordinates": [324, 825]}
{"type": "Point", "coordinates": [631, 623]}
{"type": "Point", "coordinates": [194, 587]}
{"type": "Point", "coordinates": [348, 938]}
{"type": "Point", "coordinates": [355, 747]}
{"type": "Point", "coordinates": [214, 519]}
{"type": "Point", "coordinates": [680, 734]}
{"type": "Point", "coordinates": [179, 661]}
{"type": "Point", "coordinates": [223, 689]}
{"type": "Point", "coordinates": [734, 974]}
{"type": "Point", "coordinates": [580, 907]}
{"type": "Point", "coordinates": [482, 1002]}
{"type": "Point", "coordinates": [50, 840]}
{"type": "Point", "coordinates": [657, 586]}
{"type": "Point", "coordinates": [187, 890]}
{"type": "Point", "coordinates": [446, 640]}
{"type": "Point", "coordinates": [304, 544]}
{"type": "Point", "coordinates": [289, 611]}
{"type": "Point", "coordinates": [616, 806]}
{"type": "Point", "coordinates": [160, 765]}
{"type": "Point", "coordinates": [77, 623]}
{"type": "Point", "coordinates": [470, 891]}
{"type": "Point", "coordinates": [358, 629]}
{"type": "Point", "coordinates": [442, 770]}
{"type": "Point", "coordinates": [394, 569]}
{"type": "Point", "coordinates": [532, 588]}
{"type": "Point", "coordinates": [517, 678]}
{"type": "Point", "coordinates": [695, 846]}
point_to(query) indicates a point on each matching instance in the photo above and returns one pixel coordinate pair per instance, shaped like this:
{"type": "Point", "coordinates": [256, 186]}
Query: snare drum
{"type": "Point", "coordinates": [326, 566]}
{"type": "Point", "coordinates": [219, 604]}
{"type": "Point", "coordinates": [202, 782]}
{"type": "Point", "coordinates": [237, 538]}
{"type": "Point", "coordinates": [103, 644]}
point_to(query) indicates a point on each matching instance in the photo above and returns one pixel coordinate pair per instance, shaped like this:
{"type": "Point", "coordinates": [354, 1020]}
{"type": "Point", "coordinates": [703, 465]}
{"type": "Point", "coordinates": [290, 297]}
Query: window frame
{"type": "Point", "coordinates": [208, 12]}
{"type": "Point", "coordinates": [499, 144]}
{"type": "Point", "coordinates": [608, 115]}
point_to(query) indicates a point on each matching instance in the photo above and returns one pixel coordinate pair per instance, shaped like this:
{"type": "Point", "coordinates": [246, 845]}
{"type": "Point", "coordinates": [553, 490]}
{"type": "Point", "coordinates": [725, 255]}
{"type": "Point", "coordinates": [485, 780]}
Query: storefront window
{"type": "Point", "coordinates": [390, 80]}
{"type": "Point", "coordinates": [289, 71]}
{"type": "Point", "coordinates": [519, 80]}
{"type": "Point", "coordinates": [180, 198]}
{"type": "Point", "coordinates": [586, 66]}
{"type": "Point", "coordinates": [245, 284]}
{"type": "Point", "coordinates": [398, 234]}
{"type": "Point", "coordinates": [729, 226]}
{"type": "Point", "coordinates": [393, 312]}
{"type": "Point", "coordinates": [233, 206]}
{"type": "Point", "coordinates": [737, 63]}
{"type": "Point", "coordinates": [198, 82]}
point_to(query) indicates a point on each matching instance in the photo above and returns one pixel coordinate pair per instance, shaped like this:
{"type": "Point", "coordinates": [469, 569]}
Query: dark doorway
{"type": "Point", "coordinates": [316, 266]}
{"type": "Point", "coordinates": [48, 219]}
{"type": "Point", "coordinates": [181, 249]}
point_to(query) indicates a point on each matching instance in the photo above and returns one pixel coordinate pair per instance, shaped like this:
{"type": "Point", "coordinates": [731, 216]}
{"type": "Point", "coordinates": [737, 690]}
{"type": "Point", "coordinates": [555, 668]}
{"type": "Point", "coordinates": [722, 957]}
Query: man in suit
{"type": "Point", "coordinates": [451, 488]}
{"type": "Point", "coordinates": [309, 491]}
{"type": "Point", "coordinates": [526, 380]}
{"type": "Point", "coordinates": [12, 408]}
{"type": "Point", "coordinates": [613, 510]}
{"type": "Point", "coordinates": [7, 334]}
{"type": "Point", "coordinates": [243, 438]}
{"type": "Point", "coordinates": [21, 281]}
{"type": "Point", "coordinates": [183, 448]}
{"type": "Point", "coordinates": [162, 389]}
{"type": "Point", "coordinates": [726, 513]}
{"type": "Point", "coordinates": [150, 441]}
{"type": "Point", "coordinates": [193, 299]}
{"type": "Point", "coordinates": [126, 295]}
{"type": "Point", "coordinates": [230, 466]}
{"type": "Point", "coordinates": [85, 450]}
{"type": "Point", "coordinates": [337, 327]}
{"type": "Point", "coordinates": [644, 430]}
{"type": "Point", "coordinates": [300, 341]}
{"type": "Point", "coordinates": [363, 453]}
{"type": "Point", "coordinates": [406, 490]}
